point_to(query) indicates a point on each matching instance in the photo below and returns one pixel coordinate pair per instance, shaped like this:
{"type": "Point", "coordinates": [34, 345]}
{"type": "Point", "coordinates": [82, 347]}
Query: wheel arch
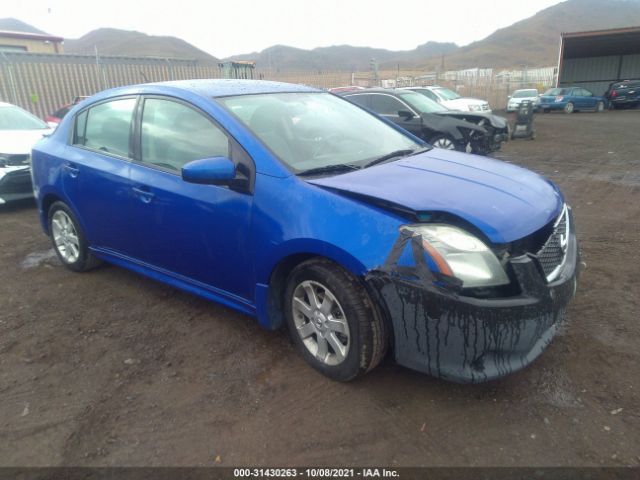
{"type": "Point", "coordinates": [270, 289]}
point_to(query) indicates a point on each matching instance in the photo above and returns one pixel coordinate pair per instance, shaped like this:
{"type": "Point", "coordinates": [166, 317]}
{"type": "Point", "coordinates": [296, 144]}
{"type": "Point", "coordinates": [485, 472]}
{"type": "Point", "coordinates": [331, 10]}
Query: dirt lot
{"type": "Point", "coordinates": [110, 368]}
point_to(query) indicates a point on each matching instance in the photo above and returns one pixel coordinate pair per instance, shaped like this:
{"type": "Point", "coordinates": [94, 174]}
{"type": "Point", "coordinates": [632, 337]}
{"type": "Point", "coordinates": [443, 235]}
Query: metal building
{"type": "Point", "coordinates": [596, 59]}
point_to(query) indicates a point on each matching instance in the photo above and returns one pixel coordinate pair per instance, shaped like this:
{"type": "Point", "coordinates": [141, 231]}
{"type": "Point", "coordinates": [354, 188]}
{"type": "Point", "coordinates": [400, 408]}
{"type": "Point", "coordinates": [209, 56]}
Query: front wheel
{"type": "Point", "coordinates": [68, 239]}
{"type": "Point", "coordinates": [332, 320]}
{"type": "Point", "coordinates": [568, 108]}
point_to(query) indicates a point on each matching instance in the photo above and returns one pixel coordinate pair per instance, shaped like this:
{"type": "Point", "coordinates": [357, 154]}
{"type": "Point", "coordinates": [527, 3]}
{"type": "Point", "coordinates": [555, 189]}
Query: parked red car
{"type": "Point", "coordinates": [59, 114]}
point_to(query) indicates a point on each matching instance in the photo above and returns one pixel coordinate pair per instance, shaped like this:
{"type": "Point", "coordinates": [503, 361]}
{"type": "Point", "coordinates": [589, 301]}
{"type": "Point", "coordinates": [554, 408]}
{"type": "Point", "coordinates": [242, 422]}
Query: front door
{"type": "Point", "coordinates": [195, 231]}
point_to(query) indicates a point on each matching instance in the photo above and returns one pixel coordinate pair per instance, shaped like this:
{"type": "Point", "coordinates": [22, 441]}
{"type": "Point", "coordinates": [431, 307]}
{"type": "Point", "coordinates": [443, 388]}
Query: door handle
{"type": "Point", "coordinates": [72, 169]}
{"type": "Point", "coordinates": [143, 194]}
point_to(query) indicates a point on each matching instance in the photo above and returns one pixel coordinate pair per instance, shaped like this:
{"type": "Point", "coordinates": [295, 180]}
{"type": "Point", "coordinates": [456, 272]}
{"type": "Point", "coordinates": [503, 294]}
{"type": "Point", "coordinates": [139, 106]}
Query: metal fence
{"type": "Point", "coordinates": [41, 83]}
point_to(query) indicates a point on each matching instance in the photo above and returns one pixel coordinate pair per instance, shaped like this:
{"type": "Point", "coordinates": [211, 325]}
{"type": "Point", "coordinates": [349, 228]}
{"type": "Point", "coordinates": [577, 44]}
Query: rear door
{"type": "Point", "coordinates": [191, 230]}
{"type": "Point", "coordinates": [587, 98]}
{"type": "Point", "coordinates": [96, 172]}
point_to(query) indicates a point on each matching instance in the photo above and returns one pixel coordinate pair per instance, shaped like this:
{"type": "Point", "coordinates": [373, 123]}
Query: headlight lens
{"type": "Point", "coordinates": [475, 108]}
{"type": "Point", "coordinates": [460, 254]}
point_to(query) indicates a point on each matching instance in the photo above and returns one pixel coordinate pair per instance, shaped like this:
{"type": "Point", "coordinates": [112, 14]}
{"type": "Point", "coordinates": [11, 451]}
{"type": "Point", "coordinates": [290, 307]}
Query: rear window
{"type": "Point", "coordinates": [525, 93]}
{"type": "Point", "coordinates": [106, 127]}
{"type": "Point", "coordinates": [557, 91]}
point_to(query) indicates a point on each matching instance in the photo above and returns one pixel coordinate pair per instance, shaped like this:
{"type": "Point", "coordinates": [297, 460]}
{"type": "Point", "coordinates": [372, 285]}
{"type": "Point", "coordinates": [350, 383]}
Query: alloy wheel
{"type": "Point", "coordinates": [444, 142]}
{"type": "Point", "coordinates": [321, 322]}
{"type": "Point", "coordinates": [65, 236]}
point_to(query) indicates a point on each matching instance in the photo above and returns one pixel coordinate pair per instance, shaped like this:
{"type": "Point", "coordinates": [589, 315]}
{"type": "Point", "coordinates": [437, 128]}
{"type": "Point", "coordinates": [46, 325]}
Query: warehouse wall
{"type": "Point", "coordinates": [596, 73]}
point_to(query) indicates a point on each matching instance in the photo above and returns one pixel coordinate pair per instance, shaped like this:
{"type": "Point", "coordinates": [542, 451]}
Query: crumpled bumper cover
{"type": "Point", "coordinates": [472, 340]}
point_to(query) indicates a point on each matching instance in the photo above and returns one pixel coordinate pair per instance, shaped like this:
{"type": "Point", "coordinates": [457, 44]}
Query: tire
{"type": "Point", "coordinates": [443, 141]}
{"type": "Point", "coordinates": [343, 339]}
{"type": "Point", "coordinates": [599, 107]}
{"type": "Point", "coordinates": [569, 108]}
{"type": "Point", "coordinates": [68, 239]}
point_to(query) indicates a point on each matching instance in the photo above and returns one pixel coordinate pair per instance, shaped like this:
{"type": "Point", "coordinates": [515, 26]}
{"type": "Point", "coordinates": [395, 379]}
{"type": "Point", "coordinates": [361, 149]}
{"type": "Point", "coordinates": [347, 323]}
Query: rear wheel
{"type": "Point", "coordinates": [568, 108]}
{"type": "Point", "coordinates": [68, 239]}
{"type": "Point", "coordinates": [332, 320]}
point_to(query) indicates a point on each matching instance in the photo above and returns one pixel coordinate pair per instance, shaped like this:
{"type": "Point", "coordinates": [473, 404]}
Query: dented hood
{"type": "Point", "coordinates": [504, 201]}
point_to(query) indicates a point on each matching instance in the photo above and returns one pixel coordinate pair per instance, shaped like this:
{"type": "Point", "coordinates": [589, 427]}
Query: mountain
{"type": "Point", "coordinates": [534, 41]}
{"type": "Point", "coordinates": [15, 25]}
{"type": "Point", "coordinates": [111, 41]}
{"type": "Point", "coordinates": [339, 57]}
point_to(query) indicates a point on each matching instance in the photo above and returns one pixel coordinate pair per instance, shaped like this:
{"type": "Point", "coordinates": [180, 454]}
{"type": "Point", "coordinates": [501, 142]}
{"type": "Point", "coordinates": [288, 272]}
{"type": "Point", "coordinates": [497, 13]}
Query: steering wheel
{"type": "Point", "coordinates": [324, 143]}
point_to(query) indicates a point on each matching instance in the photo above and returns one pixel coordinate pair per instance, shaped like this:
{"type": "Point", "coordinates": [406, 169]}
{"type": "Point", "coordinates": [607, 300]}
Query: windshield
{"type": "Point", "coordinates": [446, 94]}
{"type": "Point", "coordinates": [556, 91]}
{"type": "Point", "coordinates": [15, 118]}
{"type": "Point", "coordinates": [314, 130]}
{"type": "Point", "coordinates": [525, 93]}
{"type": "Point", "coordinates": [422, 103]}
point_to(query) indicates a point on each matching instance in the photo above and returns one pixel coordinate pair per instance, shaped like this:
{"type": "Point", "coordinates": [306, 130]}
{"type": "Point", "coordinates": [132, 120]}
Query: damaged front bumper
{"type": "Point", "coordinates": [466, 339]}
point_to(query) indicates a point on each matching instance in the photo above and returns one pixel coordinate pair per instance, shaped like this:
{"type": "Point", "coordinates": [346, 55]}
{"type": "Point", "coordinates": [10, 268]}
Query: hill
{"type": "Point", "coordinates": [15, 25]}
{"type": "Point", "coordinates": [112, 41]}
{"type": "Point", "coordinates": [340, 57]}
{"type": "Point", "coordinates": [532, 42]}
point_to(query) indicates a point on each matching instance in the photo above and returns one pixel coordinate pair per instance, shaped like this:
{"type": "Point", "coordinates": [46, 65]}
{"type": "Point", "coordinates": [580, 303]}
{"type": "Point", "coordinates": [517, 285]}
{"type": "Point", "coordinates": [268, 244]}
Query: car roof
{"type": "Point", "coordinates": [388, 91]}
{"type": "Point", "coordinates": [212, 87]}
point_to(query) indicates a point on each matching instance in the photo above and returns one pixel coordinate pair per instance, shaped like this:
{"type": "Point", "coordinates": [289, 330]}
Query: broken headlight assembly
{"type": "Point", "coordinates": [460, 254]}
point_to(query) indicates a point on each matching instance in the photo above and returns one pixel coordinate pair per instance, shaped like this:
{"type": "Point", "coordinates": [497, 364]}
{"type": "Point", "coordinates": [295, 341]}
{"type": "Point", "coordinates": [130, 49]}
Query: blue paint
{"type": "Point", "coordinates": [224, 243]}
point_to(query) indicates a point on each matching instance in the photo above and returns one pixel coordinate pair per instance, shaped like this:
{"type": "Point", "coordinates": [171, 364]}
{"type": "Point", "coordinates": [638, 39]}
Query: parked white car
{"type": "Point", "coordinates": [19, 131]}
{"type": "Point", "coordinates": [452, 100]}
{"type": "Point", "coordinates": [518, 96]}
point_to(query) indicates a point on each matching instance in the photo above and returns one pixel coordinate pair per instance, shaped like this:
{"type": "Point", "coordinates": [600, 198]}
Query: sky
{"type": "Point", "coordinates": [224, 28]}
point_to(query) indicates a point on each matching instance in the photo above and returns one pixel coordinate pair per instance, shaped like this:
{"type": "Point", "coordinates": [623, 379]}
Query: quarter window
{"type": "Point", "coordinates": [106, 127]}
{"type": "Point", "coordinates": [174, 134]}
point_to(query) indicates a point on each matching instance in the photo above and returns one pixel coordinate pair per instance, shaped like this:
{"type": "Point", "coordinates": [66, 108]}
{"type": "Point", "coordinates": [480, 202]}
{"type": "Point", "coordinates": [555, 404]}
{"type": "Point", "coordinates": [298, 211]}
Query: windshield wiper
{"type": "Point", "coordinates": [398, 153]}
{"type": "Point", "coordinates": [339, 167]}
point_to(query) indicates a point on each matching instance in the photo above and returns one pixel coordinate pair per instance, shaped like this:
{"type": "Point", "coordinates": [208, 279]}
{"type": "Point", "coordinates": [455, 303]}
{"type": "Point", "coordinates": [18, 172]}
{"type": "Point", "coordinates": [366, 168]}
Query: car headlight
{"type": "Point", "coordinates": [459, 254]}
{"type": "Point", "coordinates": [475, 108]}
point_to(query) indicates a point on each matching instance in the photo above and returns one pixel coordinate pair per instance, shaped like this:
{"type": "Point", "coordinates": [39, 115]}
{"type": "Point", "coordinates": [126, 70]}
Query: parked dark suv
{"type": "Point", "coordinates": [429, 120]}
{"type": "Point", "coordinates": [624, 94]}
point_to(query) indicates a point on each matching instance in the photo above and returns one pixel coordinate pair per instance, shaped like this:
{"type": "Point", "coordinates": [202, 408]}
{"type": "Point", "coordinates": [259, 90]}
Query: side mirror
{"type": "Point", "coordinates": [508, 97]}
{"type": "Point", "coordinates": [405, 114]}
{"type": "Point", "coordinates": [209, 171]}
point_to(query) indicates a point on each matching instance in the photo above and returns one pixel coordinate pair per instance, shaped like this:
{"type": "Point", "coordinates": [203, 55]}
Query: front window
{"type": "Point", "coordinates": [525, 93]}
{"type": "Point", "coordinates": [446, 94]}
{"type": "Point", "coordinates": [15, 118]}
{"type": "Point", "coordinates": [422, 103]}
{"type": "Point", "coordinates": [174, 134]}
{"type": "Point", "coordinates": [314, 130]}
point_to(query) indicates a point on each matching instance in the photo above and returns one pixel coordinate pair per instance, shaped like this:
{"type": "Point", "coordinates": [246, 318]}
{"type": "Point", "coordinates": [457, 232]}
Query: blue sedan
{"type": "Point", "coordinates": [571, 99]}
{"type": "Point", "coordinates": [306, 211]}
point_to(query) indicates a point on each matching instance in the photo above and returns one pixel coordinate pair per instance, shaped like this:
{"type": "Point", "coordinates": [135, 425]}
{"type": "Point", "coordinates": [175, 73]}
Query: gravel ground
{"type": "Point", "coordinates": [110, 368]}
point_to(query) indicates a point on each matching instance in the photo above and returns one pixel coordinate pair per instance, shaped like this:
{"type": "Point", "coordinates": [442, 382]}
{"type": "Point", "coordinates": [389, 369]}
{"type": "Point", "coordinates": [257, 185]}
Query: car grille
{"type": "Point", "coordinates": [553, 253]}
{"type": "Point", "coordinates": [16, 182]}
{"type": "Point", "coordinates": [16, 160]}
